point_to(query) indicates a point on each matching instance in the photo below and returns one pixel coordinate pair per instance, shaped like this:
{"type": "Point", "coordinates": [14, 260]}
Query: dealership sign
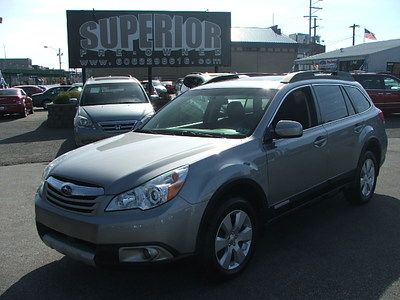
{"type": "Point", "coordinates": [109, 39]}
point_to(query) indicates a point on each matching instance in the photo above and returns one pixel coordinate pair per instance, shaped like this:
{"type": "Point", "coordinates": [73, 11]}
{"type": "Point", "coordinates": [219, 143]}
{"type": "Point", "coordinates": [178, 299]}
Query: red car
{"type": "Point", "coordinates": [384, 90]}
{"type": "Point", "coordinates": [15, 101]}
{"type": "Point", "coordinates": [30, 89]}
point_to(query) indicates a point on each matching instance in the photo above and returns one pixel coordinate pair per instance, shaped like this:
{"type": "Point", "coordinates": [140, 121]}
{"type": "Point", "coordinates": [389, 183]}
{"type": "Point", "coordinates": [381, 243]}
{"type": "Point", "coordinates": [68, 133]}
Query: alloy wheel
{"type": "Point", "coordinates": [233, 239]}
{"type": "Point", "coordinates": [367, 177]}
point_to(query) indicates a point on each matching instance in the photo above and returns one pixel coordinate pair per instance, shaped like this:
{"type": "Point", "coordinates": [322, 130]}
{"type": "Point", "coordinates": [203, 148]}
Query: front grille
{"type": "Point", "coordinates": [82, 199]}
{"type": "Point", "coordinates": [118, 126]}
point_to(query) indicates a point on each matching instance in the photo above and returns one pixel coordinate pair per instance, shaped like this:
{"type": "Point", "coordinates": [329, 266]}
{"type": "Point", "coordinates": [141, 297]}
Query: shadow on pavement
{"type": "Point", "coordinates": [41, 133]}
{"type": "Point", "coordinates": [8, 118]}
{"type": "Point", "coordinates": [392, 121]}
{"type": "Point", "coordinates": [331, 250]}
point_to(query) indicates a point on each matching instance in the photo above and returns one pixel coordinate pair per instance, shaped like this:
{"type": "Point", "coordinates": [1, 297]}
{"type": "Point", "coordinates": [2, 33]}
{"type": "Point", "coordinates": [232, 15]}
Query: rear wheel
{"type": "Point", "coordinates": [229, 240]}
{"type": "Point", "coordinates": [364, 185]}
{"type": "Point", "coordinates": [25, 112]}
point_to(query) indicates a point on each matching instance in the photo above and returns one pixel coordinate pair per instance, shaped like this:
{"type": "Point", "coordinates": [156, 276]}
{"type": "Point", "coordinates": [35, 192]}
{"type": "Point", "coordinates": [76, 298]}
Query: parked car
{"type": "Point", "coordinates": [384, 90]}
{"type": "Point", "coordinates": [204, 173]}
{"type": "Point", "coordinates": [15, 101]}
{"type": "Point", "coordinates": [48, 96]}
{"type": "Point", "coordinates": [196, 79]}
{"type": "Point", "coordinates": [76, 87]}
{"type": "Point", "coordinates": [169, 85]}
{"type": "Point", "coordinates": [159, 95]}
{"type": "Point", "coordinates": [109, 106]}
{"type": "Point", "coordinates": [30, 89]}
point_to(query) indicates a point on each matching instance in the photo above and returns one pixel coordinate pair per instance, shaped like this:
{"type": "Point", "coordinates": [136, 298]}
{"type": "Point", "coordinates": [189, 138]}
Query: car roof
{"type": "Point", "coordinates": [262, 82]}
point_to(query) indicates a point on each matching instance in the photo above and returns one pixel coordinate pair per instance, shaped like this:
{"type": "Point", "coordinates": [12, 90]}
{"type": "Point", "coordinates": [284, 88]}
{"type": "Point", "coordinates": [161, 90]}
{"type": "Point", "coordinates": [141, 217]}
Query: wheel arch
{"type": "Point", "coordinates": [243, 187]}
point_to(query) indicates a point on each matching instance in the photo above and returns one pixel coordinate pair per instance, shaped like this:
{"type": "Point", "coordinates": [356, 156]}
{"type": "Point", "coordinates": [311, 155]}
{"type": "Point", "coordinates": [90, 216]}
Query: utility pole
{"type": "Point", "coordinates": [310, 16]}
{"type": "Point", "coordinates": [354, 32]}
{"type": "Point", "coordinates": [59, 57]}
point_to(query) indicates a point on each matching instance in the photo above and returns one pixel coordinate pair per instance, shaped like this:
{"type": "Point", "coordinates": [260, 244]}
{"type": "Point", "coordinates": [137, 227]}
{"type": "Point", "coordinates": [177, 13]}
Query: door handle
{"type": "Point", "coordinates": [358, 128]}
{"type": "Point", "coordinates": [320, 141]}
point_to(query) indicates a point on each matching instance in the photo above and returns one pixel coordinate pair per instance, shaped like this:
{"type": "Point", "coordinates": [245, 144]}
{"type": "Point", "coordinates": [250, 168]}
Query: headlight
{"type": "Point", "coordinates": [48, 169]}
{"type": "Point", "coordinates": [45, 174]}
{"type": "Point", "coordinates": [152, 193]}
{"type": "Point", "coordinates": [83, 122]}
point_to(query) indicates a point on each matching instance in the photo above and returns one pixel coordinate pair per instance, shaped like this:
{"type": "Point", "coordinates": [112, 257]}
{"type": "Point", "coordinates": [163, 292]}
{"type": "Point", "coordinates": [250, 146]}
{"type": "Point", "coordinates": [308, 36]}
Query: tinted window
{"type": "Point", "coordinates": [298, 106]}
{"type": "Point", "coordinates": [331, 102]}
{"type": "Point", "coordinates": [369, 82]}
{"type": "Point", "coordinates": [360, 102]}
{"type": "Point", "coordinates": [350, 107]}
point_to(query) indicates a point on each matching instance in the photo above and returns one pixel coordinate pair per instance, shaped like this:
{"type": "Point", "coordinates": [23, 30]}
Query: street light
{"type": "Point", "coordinates": [59, 54]}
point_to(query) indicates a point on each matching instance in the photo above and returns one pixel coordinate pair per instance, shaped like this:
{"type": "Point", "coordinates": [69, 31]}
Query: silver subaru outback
{"type": "Point", "coordinates": [203, 174]}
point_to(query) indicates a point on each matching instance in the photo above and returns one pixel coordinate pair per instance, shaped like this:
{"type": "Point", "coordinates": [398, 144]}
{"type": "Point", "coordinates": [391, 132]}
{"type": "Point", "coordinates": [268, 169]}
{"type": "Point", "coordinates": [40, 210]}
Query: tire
{"type": "Point", "coordinates": [364, 184]}
{"type": "Point", "coordinates": [25, 112]}
{"type": "Point", "coordinates": [229, 240]}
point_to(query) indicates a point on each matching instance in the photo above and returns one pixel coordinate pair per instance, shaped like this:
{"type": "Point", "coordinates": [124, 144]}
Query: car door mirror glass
{"type": "Point", "coordinates": [288, 129]}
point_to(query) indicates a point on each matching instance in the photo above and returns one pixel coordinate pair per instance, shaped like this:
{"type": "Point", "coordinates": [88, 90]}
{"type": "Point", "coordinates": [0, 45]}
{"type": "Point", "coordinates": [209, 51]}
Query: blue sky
{"type": "Point", "coordinates": [30, 25]}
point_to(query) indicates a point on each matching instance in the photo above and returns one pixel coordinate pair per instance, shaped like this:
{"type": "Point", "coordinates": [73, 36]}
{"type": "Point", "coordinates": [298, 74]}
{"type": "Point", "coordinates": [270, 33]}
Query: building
{"type": "Point", "coordinates": [306, 46]}
{"type": "Point", "coordinates": [383, 56]}
{"type": "Point", "coordinates": [15, 63]}
{"type": "Point", "coordinates": [264, 50]}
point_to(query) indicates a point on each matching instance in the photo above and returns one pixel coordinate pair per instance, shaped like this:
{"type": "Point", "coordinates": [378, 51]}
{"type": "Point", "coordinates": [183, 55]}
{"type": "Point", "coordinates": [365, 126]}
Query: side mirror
{"type": "Point", "coordinates": [73, 100]}
{"type": "Point", "coordinates": [154, 98]}
{"type": "Point", "coordinates": [288, 129]}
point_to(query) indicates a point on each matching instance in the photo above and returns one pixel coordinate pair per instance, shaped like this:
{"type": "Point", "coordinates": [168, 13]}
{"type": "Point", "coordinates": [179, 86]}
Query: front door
{"type": "Point", "coordinates": [296, 165]}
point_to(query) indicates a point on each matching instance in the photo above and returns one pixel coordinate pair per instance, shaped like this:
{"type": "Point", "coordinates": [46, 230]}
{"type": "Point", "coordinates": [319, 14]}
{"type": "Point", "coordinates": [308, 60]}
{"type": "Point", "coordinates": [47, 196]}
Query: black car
{"type": "Point", "coordinates": [48, 96]}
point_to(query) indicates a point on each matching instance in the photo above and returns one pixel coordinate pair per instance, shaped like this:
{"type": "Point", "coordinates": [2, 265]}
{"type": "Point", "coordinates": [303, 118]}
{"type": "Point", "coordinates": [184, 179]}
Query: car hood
{"type": "Point", "coordinates": [117, 112]}
{"type": "Point", "coordinates": [122, 162]}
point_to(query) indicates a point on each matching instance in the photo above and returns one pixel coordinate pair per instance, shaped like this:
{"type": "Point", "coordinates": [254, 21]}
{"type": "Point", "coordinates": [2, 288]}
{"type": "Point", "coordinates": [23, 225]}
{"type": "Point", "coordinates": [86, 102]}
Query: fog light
{"type": "Point", "coordinates": [143, 254]}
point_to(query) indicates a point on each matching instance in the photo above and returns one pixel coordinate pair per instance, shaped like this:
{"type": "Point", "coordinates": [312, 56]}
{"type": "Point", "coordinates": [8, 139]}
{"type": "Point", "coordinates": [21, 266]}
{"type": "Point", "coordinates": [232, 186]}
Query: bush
{"type": "Point", "coordinates": [63, 97]}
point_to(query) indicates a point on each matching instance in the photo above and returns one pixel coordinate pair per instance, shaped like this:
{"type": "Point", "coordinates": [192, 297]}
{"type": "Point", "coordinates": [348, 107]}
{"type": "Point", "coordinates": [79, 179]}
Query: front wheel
{"type": "Point", "coordinates": [230, 239]}
{"type": "Point", "coordinates": [364, 185]}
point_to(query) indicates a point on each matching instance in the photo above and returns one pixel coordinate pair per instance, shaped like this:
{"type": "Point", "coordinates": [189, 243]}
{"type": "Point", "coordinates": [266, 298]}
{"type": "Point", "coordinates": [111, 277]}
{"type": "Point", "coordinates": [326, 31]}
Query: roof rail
{"type": "Point", "coordinates": [110, 77]}
{"type": "Point", "coordinates": [305, 75]}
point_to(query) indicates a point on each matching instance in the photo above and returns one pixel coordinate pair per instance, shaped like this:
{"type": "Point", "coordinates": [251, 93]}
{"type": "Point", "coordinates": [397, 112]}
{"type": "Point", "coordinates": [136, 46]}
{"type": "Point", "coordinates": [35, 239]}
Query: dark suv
{"type": "Point", "coordinates": [384, 90]}
{"type": "Point", "coordinates": [203, 174]}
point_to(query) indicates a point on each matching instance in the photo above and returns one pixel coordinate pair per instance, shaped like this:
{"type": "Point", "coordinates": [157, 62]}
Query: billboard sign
{"type": "Point", "coordinates": [110, 39]}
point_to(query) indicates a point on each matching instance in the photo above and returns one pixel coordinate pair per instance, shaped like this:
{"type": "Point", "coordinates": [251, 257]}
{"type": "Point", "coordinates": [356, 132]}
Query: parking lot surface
{"type": "Point", "coordinates": [330, 250]}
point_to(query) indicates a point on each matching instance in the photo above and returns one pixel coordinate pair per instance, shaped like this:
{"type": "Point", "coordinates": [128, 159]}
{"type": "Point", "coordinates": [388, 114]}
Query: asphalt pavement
{"type": "Point", "coordinates": [330, 250]}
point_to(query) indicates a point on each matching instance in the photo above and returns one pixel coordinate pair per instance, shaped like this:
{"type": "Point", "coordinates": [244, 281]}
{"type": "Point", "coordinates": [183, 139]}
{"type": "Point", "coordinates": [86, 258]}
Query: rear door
{"type": "Point", "coordinates": [392, 93]}
{"type": "Point", "coordinates": [297, 165]}
{"type": "Point", "coordinates": [343, 128]}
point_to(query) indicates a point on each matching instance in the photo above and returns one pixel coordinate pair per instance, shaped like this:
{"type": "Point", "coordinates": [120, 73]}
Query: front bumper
{"type": "Point", "coordinates": [84, 136]}
{"type": "Point", "coordinates": [161, 234]}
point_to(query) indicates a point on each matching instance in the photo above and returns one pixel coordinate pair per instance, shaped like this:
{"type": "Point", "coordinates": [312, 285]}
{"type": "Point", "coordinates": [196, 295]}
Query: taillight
{"type": "Point", "coordinates": [381, 116]}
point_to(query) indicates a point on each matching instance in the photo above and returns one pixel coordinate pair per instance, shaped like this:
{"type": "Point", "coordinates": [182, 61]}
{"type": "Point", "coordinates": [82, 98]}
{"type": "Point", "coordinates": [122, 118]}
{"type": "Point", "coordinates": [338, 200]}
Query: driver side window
{"type": "Point", "coordinates": [298, 106]}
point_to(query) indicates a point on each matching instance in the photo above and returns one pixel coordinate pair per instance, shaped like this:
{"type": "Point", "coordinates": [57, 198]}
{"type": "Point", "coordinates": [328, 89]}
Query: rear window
{"type": "Point", "coordinates": [331, 102]}
{"type": "Point", "coordinates": [112, 93]}
{"type": "Point", "coordinates": [359, 100]}
{"type": "Point", "coordinates": [9, 92]}
{"type": "Point", "coordinates": [369, 82]}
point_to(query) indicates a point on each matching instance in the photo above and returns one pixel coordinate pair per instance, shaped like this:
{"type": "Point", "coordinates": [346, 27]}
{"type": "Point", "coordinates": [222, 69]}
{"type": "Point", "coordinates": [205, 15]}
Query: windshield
{"type": "Point", "coordinates": [112, 93]}
{"type": "Point", "coordinates": [230, 113]}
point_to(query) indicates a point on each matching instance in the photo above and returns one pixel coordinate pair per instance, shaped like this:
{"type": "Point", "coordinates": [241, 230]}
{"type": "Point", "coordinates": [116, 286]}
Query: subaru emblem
{"type": "Point", "coordinates": [66, 190]}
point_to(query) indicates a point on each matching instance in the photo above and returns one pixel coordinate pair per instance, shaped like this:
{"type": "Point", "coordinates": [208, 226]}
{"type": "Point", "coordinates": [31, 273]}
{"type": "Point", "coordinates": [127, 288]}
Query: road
{"type": "Point", "coordinates": [331, 250]}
